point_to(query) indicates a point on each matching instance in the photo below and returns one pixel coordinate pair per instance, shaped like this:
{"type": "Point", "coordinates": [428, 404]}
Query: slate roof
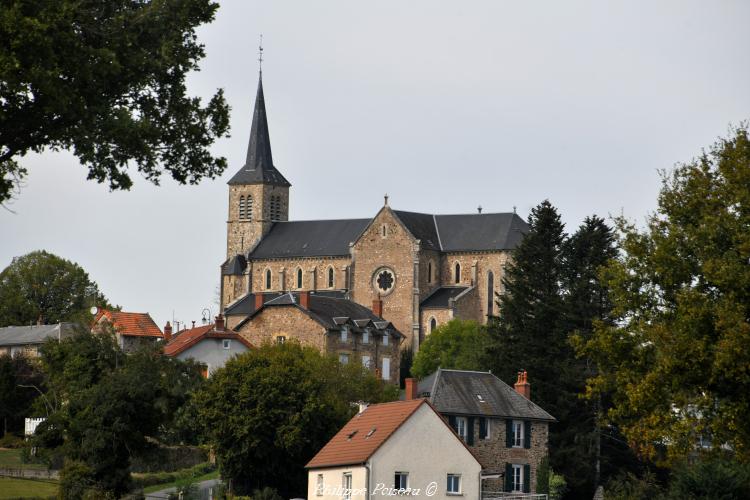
{"type": "Point", "coordinates": [309, 238]}
{"type": "Point", "coordinates": [480, 231]}
{"type": "Point", "coordinates": [457, 391]}
{"type": "Point", "coordinates": [422, 227]}
{"type": "Point", "coordinates": [361, 437]}
{"type": "Point", "coordinates": [246, 305]}
{"type": "Point", "coordinates": [34, 334]}
{"type": "Point", "coordinates": [129, 323]}
{"type": "Point", "coordinates": [258, 168]}
{"type": "Point", "coordinates": [188, 338]}
{"type": "Point", "coordinates": [234, 266]}
{"type": "Point", "coordinates": [439, 299]}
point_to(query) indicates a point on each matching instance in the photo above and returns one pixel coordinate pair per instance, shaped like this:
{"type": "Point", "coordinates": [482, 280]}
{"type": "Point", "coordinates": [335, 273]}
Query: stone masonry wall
{"type": "Point", "coordinates": [356, 348]}
{"type": "Point", "coordinates": [484, 262]}
{"type": "Point", "coordinates": [441, 316]}
{"type": "Point", "coordinates": [314, 273]}
{"type": "Point", "coordinates": [289, 322]}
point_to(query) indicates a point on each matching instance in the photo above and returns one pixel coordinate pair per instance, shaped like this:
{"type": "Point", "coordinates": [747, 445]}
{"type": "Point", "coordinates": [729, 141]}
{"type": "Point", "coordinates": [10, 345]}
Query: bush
{"type": "Point", "coordinates": [169, 459]}
{"type": "Point", "coordinates": [150, 479]}
{"type": "Point", "coordinates": [715, 479]}
{"type": "Point", "coordinates": [266, 494]}
{"type": "Point", "coordinates": [631, 487]}
{"type": "Point", "coordinates": [75, 479]}
{"type": "Point", "coordinates": [11, 441]}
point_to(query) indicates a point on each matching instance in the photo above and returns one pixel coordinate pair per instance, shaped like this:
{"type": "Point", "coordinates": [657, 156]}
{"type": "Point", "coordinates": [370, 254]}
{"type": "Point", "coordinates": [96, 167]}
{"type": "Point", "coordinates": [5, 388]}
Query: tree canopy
{"type": "Point", "coordinates": [457, 344]}
{"type": "Point", "coordinates": [677, 360]}
{"type": "Point", "coordinates": [106, 80]}
{"type": "Point", "coordinates": [268, 411]}
{"type": "Point", "coordinates": [42, 287]}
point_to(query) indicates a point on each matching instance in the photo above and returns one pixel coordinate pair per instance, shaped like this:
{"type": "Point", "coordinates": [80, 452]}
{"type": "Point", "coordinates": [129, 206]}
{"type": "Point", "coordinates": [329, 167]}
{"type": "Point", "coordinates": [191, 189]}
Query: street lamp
{"type": "Point", "coordinates": [206, 313]}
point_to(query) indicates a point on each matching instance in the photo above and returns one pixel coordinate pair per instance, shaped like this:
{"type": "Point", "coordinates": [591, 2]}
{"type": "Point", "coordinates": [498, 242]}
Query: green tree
{"type": "Point", "coordinates": [20, 382]}
{"type": "Point", "coordinates": [457, 344]}
{"type": "Point", "coordinates": [106, 405]}
{"type": "Point", "coordinates": [268, 411]}
{"type": "Point", "coordinates": [106, 79]}
{"type": "Point", "coordinates": [676, 361]}
{"type": "Point", "coordinates": [42, 287]}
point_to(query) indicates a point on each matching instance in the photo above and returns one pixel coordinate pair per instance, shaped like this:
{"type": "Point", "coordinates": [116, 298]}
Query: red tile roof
{"type": "Point", "coordinates": [364, 433]}
{"type": "Point", "coordinates": [188, 338]}
{"type": "Point", "coordinates": [128, 323]}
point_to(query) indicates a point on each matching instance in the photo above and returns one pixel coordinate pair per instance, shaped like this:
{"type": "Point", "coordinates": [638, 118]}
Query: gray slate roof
{"type": "Point", "coordinates": [36, 334]}
{"type": "Point", "coordinates": [234, 266]}
{"type": "Point", "coordinates": [440, 297]}
{"type": "Point", "coordinates": [309, 238]}
{"type": "Point", "coordinates": [258, 168]}
{"type": "Point", "coordinates": [246, 305]}
{"type": "Point", "coordinates": [455, 392]}
{"type": "Point", "coordinates": [480, 231]}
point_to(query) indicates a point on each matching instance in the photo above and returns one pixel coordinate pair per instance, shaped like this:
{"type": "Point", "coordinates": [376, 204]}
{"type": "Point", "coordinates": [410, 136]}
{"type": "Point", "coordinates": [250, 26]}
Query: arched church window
{"type": "Point", "coordinates": [268, 279]}
{"type": "Point", "coordinates": [490, 293]}
{"type": "Point", "coordinates": [429, 272]}
{"type": "Point", "coordinates": [242, 207]}
{"type": "Point", "coordinates": [457, 273]}
{"type": "Point", "coordinates": [299, 277]}
{"type": "Point", "coordinates": [249, 207]}
{"type": "Point", "coordinates": [433, 324]}
{"type": "Point", "coordinates": [330, 277]}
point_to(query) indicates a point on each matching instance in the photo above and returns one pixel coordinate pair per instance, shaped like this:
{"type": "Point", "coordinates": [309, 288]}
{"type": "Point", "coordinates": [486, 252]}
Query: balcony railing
{"type": "Point", "coordinates": [504, 495]}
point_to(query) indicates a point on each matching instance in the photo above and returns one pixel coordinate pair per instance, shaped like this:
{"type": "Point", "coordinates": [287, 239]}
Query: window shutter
{"type": "Point", "coordinates": [482, 428]}
{"type": "Point", "coordinates": [508, 477]}
{"type": "Point", "coordinates": [508, 433]}
{"type": "Point", "coordinates": [470, 431]}
{"type": "Point", "coordinates": [527, 434]}
{"type": "Point", "coordinates": [452, 422]}
{"type": "Point", "coordinates": [526, 478]}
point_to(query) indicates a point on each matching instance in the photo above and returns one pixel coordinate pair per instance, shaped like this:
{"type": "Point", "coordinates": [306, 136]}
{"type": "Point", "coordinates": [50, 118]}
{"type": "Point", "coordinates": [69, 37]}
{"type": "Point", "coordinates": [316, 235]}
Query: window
{"type": "Point", "coordinates": [249, 207]}
{"type": "Point", "coordinates": [401, 480]}
{"type": "Point", "coordinates": [490, 293]}
{"type": "Point", "coordinates": [433, 325]}
{"type": "Point", "coordinates": [330, 277]}
{"type": "Point", "coordinates": [346, 485]}
{"type": "Point", "coordinates": [386, 368]}
{"type": "Point", "coordinates": [226, 344]}
{"type": "Point", "coordinates": [484, 428]}
{"type": "Point", "coordinates": [366, 362]}
{"type": "Point", "coordinates": [343, 358]}
{"type": "Point", "coordinates": [280, 339]}
{"type": "Point", "coordinates": [268, 279]}
{"type": "Point", "coordinates": [457, 273]}
{"type": "Point", "coordinates": [429, 272]}
{"type": "Point", "coordinates": [242, 207]}
{"type": "Point", "coordinates": [344, 334]}
{"type": "Point", "coordinates": [517, 434]}
{"type": "Point", "coordinates": [454, 484]}
{"type": "Point", "coordinates": [366, 336]}
{"type": "Point", "coordinates": [383, 230]}
{"type": "Point", "coordinates": [319, 486]}
{"type": "Point", "coordinates": [385, 339]}
{"type": "Point", "coordinates": [299, 277]}
{"type": "Point", "coordinates": [517, 483]}
{"type": "Point", "coordinates": [461, 427]}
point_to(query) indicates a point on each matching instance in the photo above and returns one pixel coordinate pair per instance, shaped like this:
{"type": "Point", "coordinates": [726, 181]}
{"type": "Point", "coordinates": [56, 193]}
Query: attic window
{"type": "Point", "coordinates": [372, 431]}
{"type": "Point", "coordinates": [480, 398]}
{"type": "Point", "coordinates": [351, 435]}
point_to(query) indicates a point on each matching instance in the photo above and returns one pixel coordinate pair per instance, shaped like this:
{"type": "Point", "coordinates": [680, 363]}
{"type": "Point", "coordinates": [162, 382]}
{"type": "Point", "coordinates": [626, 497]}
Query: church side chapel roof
{"type": "Point", "coordinates": [466, 392]}
{"type": "Point", "coordinates": [258, 168]}
{"type": "Point", "coordinates": [440, 298]}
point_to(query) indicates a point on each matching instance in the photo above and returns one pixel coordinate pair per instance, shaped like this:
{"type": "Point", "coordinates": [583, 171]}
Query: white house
{"type": "Point", "coordinates": [399, 448]}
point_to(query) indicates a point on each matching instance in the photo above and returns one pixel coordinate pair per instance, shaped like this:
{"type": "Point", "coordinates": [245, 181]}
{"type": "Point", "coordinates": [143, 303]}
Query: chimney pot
{"type": "Point", "coordinates": [304, 299]}
{"type": "Point", "coordinates": [522, 385]}
{"type": "Point", "coordinates": [167, 332]}
{"type": "Point", "coordinates": [258, 301]}
{"type": "Point", "coordinates": [219, 323]}
{"type": "Point", "coordinates": [377, 307]}
{"type": "Point", "coordinates": [411, 389]}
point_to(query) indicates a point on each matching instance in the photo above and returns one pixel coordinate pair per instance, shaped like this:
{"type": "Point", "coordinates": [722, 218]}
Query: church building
{"type": "Point", "coordinates": [415, 270]}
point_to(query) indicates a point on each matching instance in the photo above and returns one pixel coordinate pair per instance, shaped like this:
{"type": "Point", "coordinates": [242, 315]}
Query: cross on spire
{"type": "Point", "coordinates": [260, 55]}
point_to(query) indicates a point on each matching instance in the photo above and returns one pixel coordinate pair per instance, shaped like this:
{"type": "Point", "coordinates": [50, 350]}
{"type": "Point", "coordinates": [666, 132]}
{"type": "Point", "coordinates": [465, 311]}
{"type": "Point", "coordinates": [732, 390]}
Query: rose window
{"type": "Point", "coordinates": [383, 281]}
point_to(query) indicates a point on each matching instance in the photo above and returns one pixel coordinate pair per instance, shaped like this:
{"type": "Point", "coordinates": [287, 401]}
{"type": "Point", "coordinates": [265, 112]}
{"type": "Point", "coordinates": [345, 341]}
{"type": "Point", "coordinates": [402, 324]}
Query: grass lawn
{"type": "Point", "coordinates": [204, 477]}
{"type": "Point", "coordinates": [11, 459]}
{"type": "Point", "coordinates": [27, 488]}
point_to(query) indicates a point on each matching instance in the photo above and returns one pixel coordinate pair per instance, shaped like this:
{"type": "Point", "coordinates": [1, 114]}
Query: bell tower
{"type": "Point", "coordinates": [258, 193]}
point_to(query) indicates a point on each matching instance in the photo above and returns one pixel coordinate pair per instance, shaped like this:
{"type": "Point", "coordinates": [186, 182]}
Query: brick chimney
{"type": "Point", "coordinates": [258, 301]}
{"type": "Point", "coordinates": [304, 299]}
{"type": "Point", "coordinates": [377, 307]}
{"type": "Point", "coordinates": [411, 389]}
{"type": "Point", "coordinates": [219, 327]}
{"type": "Point", "coordinates": [522, 385]}
{"type": "Point", "coordinates": [167, 332]}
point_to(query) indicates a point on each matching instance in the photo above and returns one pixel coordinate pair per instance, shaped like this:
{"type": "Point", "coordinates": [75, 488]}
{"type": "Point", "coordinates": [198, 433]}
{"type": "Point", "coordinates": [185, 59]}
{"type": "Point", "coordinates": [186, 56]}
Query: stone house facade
{"type": "Point", "coordinates": [333, 325]}
{"type": "Point", "coordinates": [426, 269]}
{"type": "Point", "coordinates": [506, 431]}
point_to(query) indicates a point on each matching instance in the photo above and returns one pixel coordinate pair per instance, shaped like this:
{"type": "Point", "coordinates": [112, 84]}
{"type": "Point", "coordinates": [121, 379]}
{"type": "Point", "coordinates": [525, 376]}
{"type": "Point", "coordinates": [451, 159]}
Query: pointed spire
{"type": "Point", "coordinates": [258, 168]}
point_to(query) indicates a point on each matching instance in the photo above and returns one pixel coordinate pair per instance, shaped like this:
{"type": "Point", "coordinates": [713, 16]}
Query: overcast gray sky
{"type": "Point", "coordinates": [443, 105]}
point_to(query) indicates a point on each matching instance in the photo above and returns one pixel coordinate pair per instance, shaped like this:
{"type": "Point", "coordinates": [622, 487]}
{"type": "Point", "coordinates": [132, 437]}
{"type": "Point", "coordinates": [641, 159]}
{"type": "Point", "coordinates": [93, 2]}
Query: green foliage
{"type": "Point", "coordinates": [112, 403]}
{"type": "Point", "coordinates": [407, 360]}
{"type": "Point", "coordinates": [675, 362]}
{"type": "Point", "coordinates": [457, 344]}
{"type": "Point", "coordinates": [106, 79]}
{"type": "Point", "coordinates": [153, 478]}
{"type": "Point", "coordinates": [558, 487]}
{"type": "Point", "coordinates": [268, 411]}
{"type": "Point", "coordinates": [19, 380]}
{"type": "Point", "coordinates": [542, 476]}
{"type": "Point", "coordinates": [628, 486]}
{"type": "Point", "coordinates": [40, 286]}
{"type": "Point", "coordinates": [714, 479]}
{"type": "Point", "coordinates": [266, 494]}
{"type": "Point", "coordinates": [75, 478]}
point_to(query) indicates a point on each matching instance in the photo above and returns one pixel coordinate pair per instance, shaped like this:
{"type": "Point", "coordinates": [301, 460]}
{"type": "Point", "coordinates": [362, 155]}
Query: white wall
{"type": "Point", "coordinates": [211, 352]}
{"type": "Point", "coordinates": [333, 479]}
{"type": "Point", "coordinates": [427, 449]}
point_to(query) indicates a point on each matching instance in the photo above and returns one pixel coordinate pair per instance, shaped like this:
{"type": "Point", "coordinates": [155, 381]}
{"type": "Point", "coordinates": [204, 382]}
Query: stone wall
{"type": "Point", "coordinates": [475, 267]}
{"type": "Point", "coordinates": [441, 316]}
{"type": "Point", "coordinates": [243, 234]}
{"type": "Point", "coordinates": [314, 273]}
{"type": "Point", "coordinates": [289, 322]}
{"type": "Point", "coordinates": [356, 348]}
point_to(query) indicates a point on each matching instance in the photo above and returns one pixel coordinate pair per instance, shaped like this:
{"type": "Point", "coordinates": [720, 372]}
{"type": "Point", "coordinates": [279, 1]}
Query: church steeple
{"type": "Point", "coordinates": [258, 168]}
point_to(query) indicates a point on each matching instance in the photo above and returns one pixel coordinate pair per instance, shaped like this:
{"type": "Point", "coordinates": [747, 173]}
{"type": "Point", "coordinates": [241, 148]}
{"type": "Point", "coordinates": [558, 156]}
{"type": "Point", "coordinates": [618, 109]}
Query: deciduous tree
{"type": "Point", "coordinates": [457, 344]}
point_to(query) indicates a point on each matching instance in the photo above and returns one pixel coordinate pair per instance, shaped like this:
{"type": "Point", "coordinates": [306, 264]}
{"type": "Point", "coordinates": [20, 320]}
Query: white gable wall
{"type": "Point", "coordinates": [211, 352]}
{"type": "Point", "coordinates": [333, 481]}
{"type": "Point", "coordinates": [426, 448]}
